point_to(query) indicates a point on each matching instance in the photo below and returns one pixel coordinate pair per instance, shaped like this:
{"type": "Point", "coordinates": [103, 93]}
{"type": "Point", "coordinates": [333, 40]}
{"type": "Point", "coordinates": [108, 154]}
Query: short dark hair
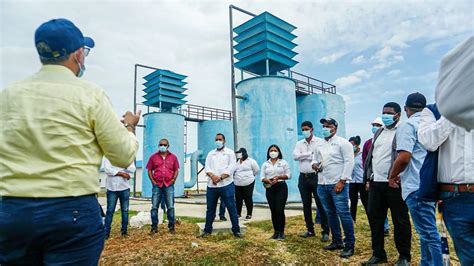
{"type": "Point", "coordinates": [393, 105]}
{"type": "Point", "coordinates": [54, 61]}
{"type": "Point", "coordinates": [245, 155]}
{"type": "Point", "coordinates": [167, 142]}
{"type": "Point", "coordinates": [280, 156]}
{"type": "Point", "coordinates": [220, 134]}
{"type": "Point", "coordinates": [356, 140]}
{"type": "Point", "coordinates": [307, 124]}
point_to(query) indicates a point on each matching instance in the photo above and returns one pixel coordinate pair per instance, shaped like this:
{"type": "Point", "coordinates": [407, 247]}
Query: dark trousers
{"type": "Point", "coordinates": [276, 197]}
{"type": "Point", "coordinates": [112, 198]}
{"type": "Point", "coordinates": [227, 195]}
{"type": "Point", "coordinates": [356, 189]}
{"type": "Point", "coordinates": [244, 193]}
{"type": "Point", "coordinates": [222, 209]}
{"type": "Point", "coordinates": [308, 186]}
{"type": "Point", "coordinates": [51, 231]}
{"type": "Point", "coordinates": [381, 198]}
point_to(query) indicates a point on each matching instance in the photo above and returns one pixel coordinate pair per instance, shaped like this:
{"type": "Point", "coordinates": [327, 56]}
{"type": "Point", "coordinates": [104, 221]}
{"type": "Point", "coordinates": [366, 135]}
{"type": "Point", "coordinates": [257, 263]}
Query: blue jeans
{"type": "Point", "coordinates": [458, 215]}
{"type": "Point", "coordinates": [222, 209]}
{"type": "Point", "coordinates": [336, 206]}
{"type": "Point", "coordinates": [112, 197]}
{"type": "Point", "coordinates": [159, 194]}
{"type": "Point", "coordinates": [227, 195]}
{"type": "Point", "coordinates": [423, 215]}
{"type": "Point", "coordinates": [51, 231]}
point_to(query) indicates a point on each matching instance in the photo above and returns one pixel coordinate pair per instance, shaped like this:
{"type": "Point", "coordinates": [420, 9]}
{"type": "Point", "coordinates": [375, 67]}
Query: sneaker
{"type": "Point", "coordinates": [223, 219]}
{"type": "Point", "coordinates": [307, 234]}
{"type": "Point", "coordinates": [347, 252]}
{"type": "Point", "coordinates": [238, 235]}
{"type": "Point", "coordinates": [375, 260]}
{"type": "Point", "coordinates": [153, 231]}
{"type": "Point", "coordinates": [204, 235]}
{"type": "Point", "coordinates": [325, 238]}
{"type": "Point", "coordinates": [281, 236]}
{"type": "Point", "coordinates": [334, 246]}
{"type": "Point", "coordinates": [248, 217]}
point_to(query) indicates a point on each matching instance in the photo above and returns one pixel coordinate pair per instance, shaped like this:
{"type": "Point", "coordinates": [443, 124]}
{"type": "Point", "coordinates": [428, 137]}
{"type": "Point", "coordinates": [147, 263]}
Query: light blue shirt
{"type": "Point", "coordinates": [358, 172]}
{"type": "Point", "coordinates": [407, 140]}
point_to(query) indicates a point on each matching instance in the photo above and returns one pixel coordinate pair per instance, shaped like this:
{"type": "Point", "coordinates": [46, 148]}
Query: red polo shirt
{"type": "Point", "coordinates": [163, 169]}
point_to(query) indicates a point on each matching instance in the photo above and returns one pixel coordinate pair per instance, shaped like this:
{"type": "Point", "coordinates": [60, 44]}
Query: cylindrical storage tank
{"type": "Point", "coordinates": [159, 126]}
{"type": "Point", "coordinates": [207, 131]}
{"type": "Point", "coordinates": [316, 106]}
{"type": "Point", "coordinates": [268, 116]}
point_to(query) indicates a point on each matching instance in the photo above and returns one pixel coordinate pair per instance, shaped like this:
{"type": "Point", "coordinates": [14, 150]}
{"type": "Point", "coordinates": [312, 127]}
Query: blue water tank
{"type": "Point", "coordinates": [207, 131]}
{"type": "Point", "coordinates": [268, 116]}
{"type": "Point", "coordinates": [316, 106]}
{"type": "Point", "coordinates": [160, 125]}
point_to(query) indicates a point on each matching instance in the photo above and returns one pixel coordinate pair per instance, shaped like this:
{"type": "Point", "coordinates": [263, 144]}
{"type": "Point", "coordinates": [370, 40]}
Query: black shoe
{"type": "Point", "coordinates": [172, 230]}
{"type": "Point", "coordinates": [274, 236]}
{"type": "Point", "coordinates": [347, 252]}
{"type": "Point", "coordinates": [281, 236]}
{"type": "Point", "coordinates": [238, 235]}
{"type": "Point", "coordinates": [375, 260]}
{"type": "Point", "coordinates": [222, 219]}
{"type": "Point", "coordinates": [386, 233]}
{"type": "Point", "coordinates": [153, 231]}
{"type": "Point", "coordinates": [307, 234]}
{"type": "Point", "coordinates": [248, 217]}
{"type": "Point", "coordinates": [402, 262]}
{"type": "Point", "coordinates": [204, 235]}
{"type": "Point", "coordinates": [334, 246]}
{"type": "Point", "coordinates": [325, 238]}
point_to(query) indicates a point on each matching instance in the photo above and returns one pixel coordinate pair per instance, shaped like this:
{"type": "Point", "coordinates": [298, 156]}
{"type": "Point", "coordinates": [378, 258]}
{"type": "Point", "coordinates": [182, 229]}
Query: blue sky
{"type": "Point", "coordinates": [374, 51]}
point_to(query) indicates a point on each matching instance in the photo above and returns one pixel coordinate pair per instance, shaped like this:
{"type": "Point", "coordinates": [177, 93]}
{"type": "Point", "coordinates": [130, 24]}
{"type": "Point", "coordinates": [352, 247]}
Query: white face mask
{"type": "Point", "coordinates": [238, 155]}
{"type": "Point", "coordinates": [273, 154]}
{"type": "Point", "coordinates": [82, 68]}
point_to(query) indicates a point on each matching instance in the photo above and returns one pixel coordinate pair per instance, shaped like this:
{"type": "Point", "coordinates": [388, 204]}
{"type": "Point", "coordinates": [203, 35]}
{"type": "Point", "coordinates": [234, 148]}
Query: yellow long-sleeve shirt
{"type": "Point", "coordinates": [54, 130]}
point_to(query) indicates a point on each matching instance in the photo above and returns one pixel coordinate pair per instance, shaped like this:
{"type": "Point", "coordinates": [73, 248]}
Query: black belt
{"type": "Point", "coordinates": [308, 174]}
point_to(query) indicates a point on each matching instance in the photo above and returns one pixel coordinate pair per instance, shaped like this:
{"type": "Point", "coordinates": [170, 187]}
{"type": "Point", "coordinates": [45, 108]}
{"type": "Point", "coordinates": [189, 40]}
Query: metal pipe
{"type": "Point", "coordinates": [241, 97]}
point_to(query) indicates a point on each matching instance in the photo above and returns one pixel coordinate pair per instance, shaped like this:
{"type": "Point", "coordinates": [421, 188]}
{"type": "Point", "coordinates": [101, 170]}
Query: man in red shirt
{"type": "Point", "coordinates": [163, 169]}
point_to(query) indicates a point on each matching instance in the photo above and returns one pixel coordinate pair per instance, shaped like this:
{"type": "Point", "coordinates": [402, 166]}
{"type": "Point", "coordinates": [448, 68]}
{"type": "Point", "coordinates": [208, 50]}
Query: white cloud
{"type": "Point", "coordinates": [332, 58]}
{"type": "Point", "coordinates": [351, 79]}
{"type": "Point", "coordinates": [359, 60]}
{"type": "Point", "coordinates": [394, 72]}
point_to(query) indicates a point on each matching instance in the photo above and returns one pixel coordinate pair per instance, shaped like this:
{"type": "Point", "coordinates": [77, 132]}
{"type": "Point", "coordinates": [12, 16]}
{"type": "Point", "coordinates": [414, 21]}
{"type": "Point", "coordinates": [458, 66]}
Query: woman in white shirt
{"type": "Point", "coordinates": [273, 175]}
{"type": "Point", "coordinates": [244, 179]}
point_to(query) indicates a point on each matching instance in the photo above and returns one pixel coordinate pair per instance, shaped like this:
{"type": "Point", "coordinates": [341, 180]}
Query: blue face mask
{"type": "Point", "coordinates": [326, 132]}
{"type": "Point", "coordinates": [306, 133]}
{"type": "Point", "coordinates": [82, 69]}
{"type": "Point", "coordinates": [354, 148]}
{"type": "Point", "coordinates": [163, 148]}
{"type": "Point", "coordinates": [219, 144]}
{"type": "Point", "coordinates": [388, 119]}
{"type": "Point", "coordinates": [374, 129]}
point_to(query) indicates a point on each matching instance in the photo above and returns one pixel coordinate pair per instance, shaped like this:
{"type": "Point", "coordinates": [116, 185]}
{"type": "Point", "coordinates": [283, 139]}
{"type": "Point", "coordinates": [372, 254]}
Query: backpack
{"type": "Point", "coordinates": [428, 190]}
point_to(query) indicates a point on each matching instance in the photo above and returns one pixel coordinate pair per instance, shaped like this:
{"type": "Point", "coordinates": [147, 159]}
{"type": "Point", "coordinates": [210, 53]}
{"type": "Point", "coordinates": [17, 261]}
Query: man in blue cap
{"type": "Point", "coordinates": [55, 130]}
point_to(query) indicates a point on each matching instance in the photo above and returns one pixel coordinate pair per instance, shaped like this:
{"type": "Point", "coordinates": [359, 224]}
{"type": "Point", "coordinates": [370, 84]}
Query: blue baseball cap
{"type": "Point", "coordinates": [59, 37]}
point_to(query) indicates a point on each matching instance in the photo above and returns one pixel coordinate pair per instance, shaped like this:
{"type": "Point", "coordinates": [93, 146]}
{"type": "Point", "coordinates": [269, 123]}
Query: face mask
{"type": "Point", "coordinates": [82, 68]}
{"type": "Point", "coordinates": [238, 155]}
{"type": "Point", "coordinates": [374, 129]}
{"type": "Point", "coordinates": [326, 132]}
{"type": "Point", "coordinates": [388, 119]}
{"type": "Point", "coordinates": [355, 148]}
{"type": "Point", "coordinates": [163, 148]}
{"type": "Point", "coordinates": [306, 134]}
{"type": "Point", "coordinates": [219, 144]}
{"type": "Point", "coordinates": [273, 154]}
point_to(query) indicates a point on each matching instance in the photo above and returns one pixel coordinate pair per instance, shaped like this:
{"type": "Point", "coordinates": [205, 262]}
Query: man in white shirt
{"type": "Point", "coordinates": [118, 188]}
{"type": "Point", "coordinates": [219, 169]}
{"type": "Point", "coordinates": [379, 161]}
{"type": "Point", "coordinates": [308, 182]}
{"type": "Point", "coordinates": [334, 160]}
{"type": "Point", "coordinates": [455, 178]}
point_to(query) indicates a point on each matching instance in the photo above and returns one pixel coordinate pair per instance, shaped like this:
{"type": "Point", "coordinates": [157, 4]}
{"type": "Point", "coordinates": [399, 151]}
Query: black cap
{"type": "Point", "coordinates": [330, 121]}
{"type": "Point", "coordinates": [416, 100]}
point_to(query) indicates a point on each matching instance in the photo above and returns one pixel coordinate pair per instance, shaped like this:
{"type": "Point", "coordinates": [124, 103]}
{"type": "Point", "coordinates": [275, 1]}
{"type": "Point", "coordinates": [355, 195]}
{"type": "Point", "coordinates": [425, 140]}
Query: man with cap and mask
{"type": "Point", "coordinates": [334, 160]}
{"type": "Point", "coordinates": [377, 167]}
{"type": "Point", "coordinates": [55, 129]}
{"type": "Point", "coordinates": [405, 173]}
